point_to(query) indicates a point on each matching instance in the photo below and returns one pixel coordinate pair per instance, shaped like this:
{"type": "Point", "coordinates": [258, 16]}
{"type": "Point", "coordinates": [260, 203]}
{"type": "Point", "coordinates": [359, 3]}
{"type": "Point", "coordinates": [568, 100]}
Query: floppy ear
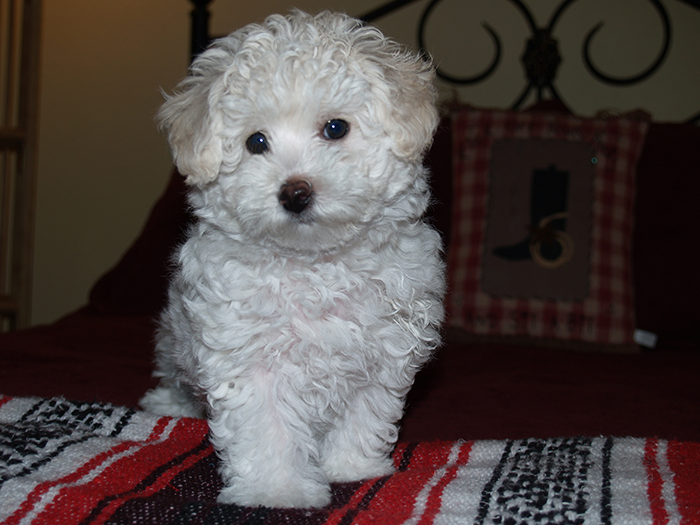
{"type": "Point", "coordinates": [401, 83]}
{"type": "Point", "coordinates": [193, 125]}
{"type": "Point", "coordinates": [411, 116]}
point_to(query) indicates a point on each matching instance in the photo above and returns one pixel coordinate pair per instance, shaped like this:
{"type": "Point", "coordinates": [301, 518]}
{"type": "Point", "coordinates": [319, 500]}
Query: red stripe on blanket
{"type": "Point", "coordinates": [154, 467]}
{"type": "Point", "coordinates": [435, 498]}
{"type": "Point", "coordinates": [403, 496]}
{"type": "Point", "coordinates": [78, 501]}
{"type": "Point", "coordinates": [366, 491]}
{"type": "Point", "coordinates": [655, 487]}
{"type": "Point", "coordinates": [392, 500]}
{"type": "Point", "coordinates": [35, 496]}
{"type": "Point", "coordinates": [426, 460]}
{"type": "Point", "coordinates": [160, 482]}
{"type": "Point", "coordinates": [684, 460]}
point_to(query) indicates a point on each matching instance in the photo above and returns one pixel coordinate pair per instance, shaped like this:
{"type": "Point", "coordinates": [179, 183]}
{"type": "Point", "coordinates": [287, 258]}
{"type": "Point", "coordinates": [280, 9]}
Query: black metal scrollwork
{"type": "Point", "coordinates": [463, 80]}
{"type": "Point", "coordinates": [644, 74]}
{"type": "Point", "coordinates": [541, 57]}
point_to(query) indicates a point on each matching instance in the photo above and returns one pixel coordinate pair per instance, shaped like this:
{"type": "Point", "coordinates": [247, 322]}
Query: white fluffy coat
{"type": "Point", "coordinates": [298, 333]}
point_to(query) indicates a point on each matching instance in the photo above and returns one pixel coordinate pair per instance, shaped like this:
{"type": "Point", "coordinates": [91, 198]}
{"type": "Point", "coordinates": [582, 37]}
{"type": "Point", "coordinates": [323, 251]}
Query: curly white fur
{"type": "Point", "coordinates": [299, 331]}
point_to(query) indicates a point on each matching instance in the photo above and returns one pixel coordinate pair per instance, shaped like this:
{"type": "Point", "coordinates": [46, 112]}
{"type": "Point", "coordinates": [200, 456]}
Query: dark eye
{"type": "Point", "coordinates": [257, 143]}
{"type": "Point", "coordinates": [335, 129]}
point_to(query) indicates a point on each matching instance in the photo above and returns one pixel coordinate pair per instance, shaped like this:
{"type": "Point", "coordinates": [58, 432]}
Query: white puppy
{"type": "Point", "coordinates": [309, 293]}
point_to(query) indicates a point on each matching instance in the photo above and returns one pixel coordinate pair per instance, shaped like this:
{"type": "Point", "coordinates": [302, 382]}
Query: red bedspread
{"type": "Point", "coordinates": [467, 392]}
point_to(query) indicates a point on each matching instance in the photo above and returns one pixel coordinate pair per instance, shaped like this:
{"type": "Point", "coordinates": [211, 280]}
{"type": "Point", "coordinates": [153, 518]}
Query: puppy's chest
{"type": "Point", "coordinates": [290, 294]}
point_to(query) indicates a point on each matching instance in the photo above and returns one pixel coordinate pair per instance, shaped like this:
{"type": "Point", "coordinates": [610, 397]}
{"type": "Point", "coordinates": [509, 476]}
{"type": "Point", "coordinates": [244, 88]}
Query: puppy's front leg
{"type": "Point", "coordinates": [268, 455]}
{"type": "Point", "coordinates": [360, 445]}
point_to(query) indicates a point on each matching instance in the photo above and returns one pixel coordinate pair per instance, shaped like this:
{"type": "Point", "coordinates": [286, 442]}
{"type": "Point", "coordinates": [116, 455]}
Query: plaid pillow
{"type": "Point", "coordinates": [542, 220]}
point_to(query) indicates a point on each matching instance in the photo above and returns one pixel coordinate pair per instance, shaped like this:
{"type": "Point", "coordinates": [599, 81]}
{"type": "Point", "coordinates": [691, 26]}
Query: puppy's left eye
{"type": "Point", "coordinates": [257, 143]}
{"type": "Point", "coordinates": [335, 129]}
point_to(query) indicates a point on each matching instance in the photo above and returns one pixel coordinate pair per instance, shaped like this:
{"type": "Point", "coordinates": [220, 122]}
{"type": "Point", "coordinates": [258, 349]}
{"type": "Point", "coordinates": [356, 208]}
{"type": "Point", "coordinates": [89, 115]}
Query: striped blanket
{"type": "Point", "coordinates": [63, 462]}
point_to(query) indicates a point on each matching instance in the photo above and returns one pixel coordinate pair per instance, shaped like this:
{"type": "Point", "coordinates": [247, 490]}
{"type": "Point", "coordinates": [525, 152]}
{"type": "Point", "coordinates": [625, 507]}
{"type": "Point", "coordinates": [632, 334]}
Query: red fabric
{"type": "Point", "coordinates": [466, 392]}
{"type": "Point", "coordinates": [655, 487]}
{"type": "Point", "coordinates": [86, 356]}
{"type": "Point", "coordinates": [684, 461]}
{"type": "Point", "coordinates": [502, 391]}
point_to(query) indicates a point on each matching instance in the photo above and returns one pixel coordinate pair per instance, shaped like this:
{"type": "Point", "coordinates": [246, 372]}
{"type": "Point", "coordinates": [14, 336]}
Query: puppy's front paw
{"type": "Point", "coordinates": [292, 495]}
{"type": "Point", "coordinates": [344, 467]}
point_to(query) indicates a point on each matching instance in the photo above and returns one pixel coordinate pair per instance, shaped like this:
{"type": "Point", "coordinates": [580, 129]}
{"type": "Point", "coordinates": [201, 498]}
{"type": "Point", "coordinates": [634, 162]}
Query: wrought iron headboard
{"type": "Point", "coordinates": [541, 57]}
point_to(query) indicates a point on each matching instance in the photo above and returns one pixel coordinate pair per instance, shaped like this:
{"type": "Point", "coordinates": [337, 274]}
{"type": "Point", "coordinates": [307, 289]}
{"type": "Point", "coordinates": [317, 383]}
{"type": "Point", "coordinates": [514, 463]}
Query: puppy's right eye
{"type": "Point", "coordinates": [335, 129]}
{"type": "Point", "coordinates": [257, 143]}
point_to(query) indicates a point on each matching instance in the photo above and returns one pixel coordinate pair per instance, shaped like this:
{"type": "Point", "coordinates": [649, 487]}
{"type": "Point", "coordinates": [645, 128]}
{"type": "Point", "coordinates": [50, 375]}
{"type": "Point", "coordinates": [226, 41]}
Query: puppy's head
{"type": "Point", "coordinates": [304, 131]}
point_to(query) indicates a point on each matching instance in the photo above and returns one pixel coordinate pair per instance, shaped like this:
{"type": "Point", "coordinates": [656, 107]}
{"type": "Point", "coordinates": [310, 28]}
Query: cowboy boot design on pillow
{"type": "Point", "coordinates": [538, 228]}
{"type": "Point", "coordinates": [547, 242]}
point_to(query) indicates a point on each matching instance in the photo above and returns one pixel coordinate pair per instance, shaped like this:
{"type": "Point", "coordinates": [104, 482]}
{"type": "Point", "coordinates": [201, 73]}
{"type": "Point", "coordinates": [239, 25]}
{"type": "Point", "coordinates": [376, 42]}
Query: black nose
{"type": "Point", "coordinates": [296, 195]}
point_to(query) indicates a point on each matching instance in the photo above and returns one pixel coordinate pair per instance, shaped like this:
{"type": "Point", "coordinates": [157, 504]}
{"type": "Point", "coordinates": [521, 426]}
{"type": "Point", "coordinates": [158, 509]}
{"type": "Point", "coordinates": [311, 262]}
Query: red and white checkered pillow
{"type": "Point", "coordinates": [542, 220]}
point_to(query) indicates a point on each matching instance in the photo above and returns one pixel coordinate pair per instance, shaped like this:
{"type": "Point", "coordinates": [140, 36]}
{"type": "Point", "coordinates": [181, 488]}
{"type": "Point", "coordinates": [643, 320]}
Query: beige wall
{"type": "Point", "coordinates": [103, 163]}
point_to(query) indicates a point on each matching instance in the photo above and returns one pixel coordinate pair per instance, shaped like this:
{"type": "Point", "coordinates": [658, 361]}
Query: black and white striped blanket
{"type": "Point", "coordinates": [69, 463]}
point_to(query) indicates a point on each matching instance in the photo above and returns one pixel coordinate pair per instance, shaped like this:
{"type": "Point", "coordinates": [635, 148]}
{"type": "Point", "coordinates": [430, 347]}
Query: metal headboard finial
{"type": "Point", "coordinates": [200, 27]}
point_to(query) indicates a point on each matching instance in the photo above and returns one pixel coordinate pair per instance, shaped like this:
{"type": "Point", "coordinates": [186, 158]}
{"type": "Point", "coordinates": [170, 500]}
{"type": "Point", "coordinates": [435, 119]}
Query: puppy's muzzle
{"type": "Point", "coordinates": [296, 195]}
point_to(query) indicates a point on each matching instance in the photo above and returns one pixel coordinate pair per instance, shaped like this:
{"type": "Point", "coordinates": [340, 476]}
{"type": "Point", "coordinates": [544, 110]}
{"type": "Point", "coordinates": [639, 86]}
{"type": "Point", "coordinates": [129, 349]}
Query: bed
{"type": "Point", "coordinates": [567, 391]}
